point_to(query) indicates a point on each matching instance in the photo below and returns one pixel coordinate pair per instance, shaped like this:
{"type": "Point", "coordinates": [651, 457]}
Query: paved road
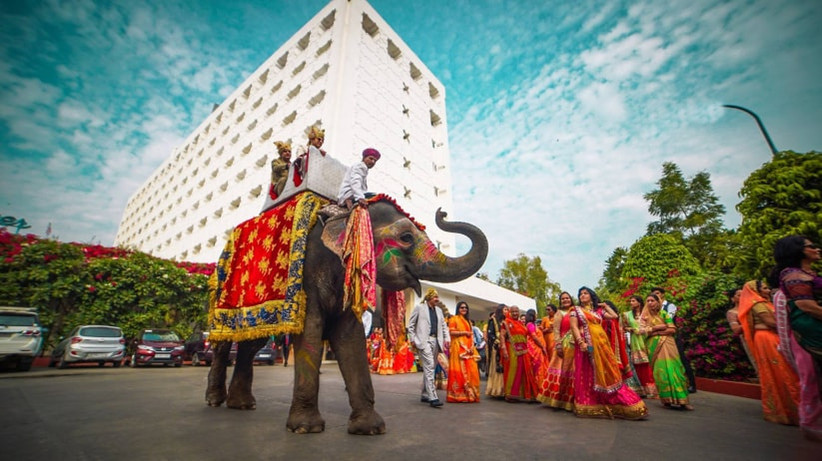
{"type": "Point", "coordinates": [160, 414]}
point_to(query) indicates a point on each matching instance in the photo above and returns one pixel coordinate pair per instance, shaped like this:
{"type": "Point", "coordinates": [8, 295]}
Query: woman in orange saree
{"type": "Point", "coordinates": [463, 372]}
{"type": "Point", "coordinates": [779, 382]}
{"type": "Point", "coordinates": [520, 385]}
{"type": "Point", "coordinates": [546, 327]}
{"type": "Point", "coordinates": [536, 347]}
{"type": "Point", "coordinates": [557, 389]}
{"type": "Point", "coordinates": [599, 391]}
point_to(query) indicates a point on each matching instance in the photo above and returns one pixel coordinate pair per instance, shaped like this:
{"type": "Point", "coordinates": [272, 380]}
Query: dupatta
{"type": "Point", "coordinates": [607, 375]}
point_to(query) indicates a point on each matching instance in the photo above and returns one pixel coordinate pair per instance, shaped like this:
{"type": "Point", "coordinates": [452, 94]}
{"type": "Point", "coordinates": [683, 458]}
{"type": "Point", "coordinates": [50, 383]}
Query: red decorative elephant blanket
{"type": "Point", "coordinates": [256, 290]}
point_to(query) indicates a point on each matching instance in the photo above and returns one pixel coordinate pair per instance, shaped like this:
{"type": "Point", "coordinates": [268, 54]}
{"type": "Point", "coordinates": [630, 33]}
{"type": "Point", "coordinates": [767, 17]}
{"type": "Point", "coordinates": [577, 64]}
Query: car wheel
{"type": "Point", "coordinates": [271, 362]}
{"type": "Point", "coordinates": [195, 360]}
{"type": "Point", "coordinates": [52, 362]}
{"type": "Point", "coordinates": [62, 364]}
{"type": "Point", "coordinates": [178, 364]}
{"type": "Point", "coordinates": [117, 363]}
{"type": "Point", "coordinates": [24, 364]}
{"type": "Point", "coordinates": [101, 364]}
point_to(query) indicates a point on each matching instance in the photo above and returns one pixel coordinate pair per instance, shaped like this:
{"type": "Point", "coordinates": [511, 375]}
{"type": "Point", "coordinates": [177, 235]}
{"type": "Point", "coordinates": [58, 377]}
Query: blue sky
{"type": "Point", "coordinates": [560, 113]}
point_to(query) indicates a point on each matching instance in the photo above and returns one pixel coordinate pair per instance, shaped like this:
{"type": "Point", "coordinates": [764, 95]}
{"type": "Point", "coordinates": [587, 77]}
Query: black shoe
{"type": "Point", "coordinates": [692, 390]}
{"type": "Point", "coordinates": [424, 399]}
{"type": "Point", "coordinates": [436, 403]}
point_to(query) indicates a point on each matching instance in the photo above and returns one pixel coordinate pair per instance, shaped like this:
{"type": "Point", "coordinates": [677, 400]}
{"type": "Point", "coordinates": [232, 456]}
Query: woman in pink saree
{"type": "Point", "coordinates": [599, 391]}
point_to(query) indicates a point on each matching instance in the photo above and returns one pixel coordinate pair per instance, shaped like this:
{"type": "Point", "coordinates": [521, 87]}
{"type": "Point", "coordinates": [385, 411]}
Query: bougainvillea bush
{"type": "Point", "coordinates": [72, 284]}
{"type": "Point", "coordinates": [710, 345]}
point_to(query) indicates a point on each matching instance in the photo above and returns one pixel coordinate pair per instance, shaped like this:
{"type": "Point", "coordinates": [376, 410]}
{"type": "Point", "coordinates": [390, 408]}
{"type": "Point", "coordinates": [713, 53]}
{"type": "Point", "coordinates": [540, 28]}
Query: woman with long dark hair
{"type": "Point", "coordinates": [536, 347]}
{"type": "Point", "coordinates": [557, 389]}
{"type": "Point", "coordinates": [599, 390]}
{"type": "Point", "coordinates": [799, 323]}
{"type": "Point", "coordinates": [495, 386]}
{"type": "Point", "coordinates": [463, 374]}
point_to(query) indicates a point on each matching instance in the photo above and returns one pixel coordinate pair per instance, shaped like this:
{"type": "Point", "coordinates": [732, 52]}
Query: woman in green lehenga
{"type": "Point", "coordinates": [669, 373]}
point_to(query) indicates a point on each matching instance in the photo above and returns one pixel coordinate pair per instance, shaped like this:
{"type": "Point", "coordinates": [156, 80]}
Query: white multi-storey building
{"type": "Point", "coordinates": [345, 70]}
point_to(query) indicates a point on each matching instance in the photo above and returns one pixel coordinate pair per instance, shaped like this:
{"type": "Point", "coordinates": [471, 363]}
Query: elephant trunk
{"type": "Point", "coordinates": [441, 268]}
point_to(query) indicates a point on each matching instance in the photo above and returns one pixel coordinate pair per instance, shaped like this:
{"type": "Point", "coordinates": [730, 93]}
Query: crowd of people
{"type": "Point", "coordinates": [589, 359]}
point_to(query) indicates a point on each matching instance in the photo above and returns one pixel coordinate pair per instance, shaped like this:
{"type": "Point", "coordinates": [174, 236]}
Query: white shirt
{"type": "Point", "coordinates": [366, 321]}
{"type": "Point", "coordinates": [354, 184]}
{"type": "Point", "coordinates": [670, 308]}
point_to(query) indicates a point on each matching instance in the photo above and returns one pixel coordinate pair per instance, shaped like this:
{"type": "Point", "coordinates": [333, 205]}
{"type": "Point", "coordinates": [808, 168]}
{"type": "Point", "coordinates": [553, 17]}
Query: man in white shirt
{"type": "Point", "coordinates": [354, 185]}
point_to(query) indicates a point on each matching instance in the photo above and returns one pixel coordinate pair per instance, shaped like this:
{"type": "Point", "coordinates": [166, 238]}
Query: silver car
{"type": "Point", "coordinates": [90, 343]}
{"type": "Point", "coordinates": [20, 337]}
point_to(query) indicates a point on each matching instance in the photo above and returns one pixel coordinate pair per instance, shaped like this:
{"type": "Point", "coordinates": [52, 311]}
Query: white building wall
{"type": "Point", "coordinates": [338, 71]}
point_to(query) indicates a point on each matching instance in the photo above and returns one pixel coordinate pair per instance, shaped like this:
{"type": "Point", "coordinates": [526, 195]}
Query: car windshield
{"type": "Point", "coordinates": [101, 332]}
{"type": "Point", "coordinates": [160, 336]}
{"type": "Point", "coordinates": [18, 320]}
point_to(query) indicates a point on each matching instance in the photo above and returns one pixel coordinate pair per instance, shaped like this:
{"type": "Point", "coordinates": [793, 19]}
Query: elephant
{"type": "Point", "coordinates": [405, 255]}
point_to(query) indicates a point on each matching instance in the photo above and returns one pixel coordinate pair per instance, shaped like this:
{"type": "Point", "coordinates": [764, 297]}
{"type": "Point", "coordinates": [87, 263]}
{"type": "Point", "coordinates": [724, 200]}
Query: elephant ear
{"type": "Point", "coordinates": [334, 235]}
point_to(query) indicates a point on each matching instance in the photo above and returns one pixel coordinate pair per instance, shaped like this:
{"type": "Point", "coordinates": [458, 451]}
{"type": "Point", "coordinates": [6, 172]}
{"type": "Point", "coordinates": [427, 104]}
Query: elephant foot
{"type": "Point", "coordinates": [241, 401]}
{"type": "Point", "coordinates": [305, 423]}
{"type": "Point", "coordinates": [368, 423]}
{"type": "Point", "coordinates": [215, 396]}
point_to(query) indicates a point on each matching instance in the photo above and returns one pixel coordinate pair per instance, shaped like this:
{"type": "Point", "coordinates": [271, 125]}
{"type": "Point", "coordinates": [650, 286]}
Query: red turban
{"type": "Point", "coordinates": [371, 152]}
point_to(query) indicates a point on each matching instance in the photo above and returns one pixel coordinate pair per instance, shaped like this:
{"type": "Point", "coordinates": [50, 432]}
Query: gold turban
{"type": "Point", "coordinates": [315, 132]}
{"type": "Point", "coordinates": [282, 145]}
{"type": "Point", "coordinates": [430, 294]}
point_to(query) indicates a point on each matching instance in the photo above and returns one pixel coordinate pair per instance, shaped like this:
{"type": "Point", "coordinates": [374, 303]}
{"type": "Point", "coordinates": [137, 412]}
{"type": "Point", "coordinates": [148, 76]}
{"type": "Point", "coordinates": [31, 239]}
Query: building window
{"type": "Point", "coordinates": [236, 203]}
{"type": "Point", "coordinates": [261, 161]}
{"type": "Point", "coordinates": [254, 193]}
{"type": "Point", "coordinates": [303, 43]}
{"type": "Point", "coordinates": [293, 93]}
{"type": "Point", "coordinates": [435, 119]}
{"type": "Point", "coordinates": [283, 60]}
{"type": "Point", "coordinates": [405, 111]}
{"type": "Point", "coordinates": [263, 77]}
{"type": "Point", "coordinates": [272, 109]}
{"type": "Point", "coordinates": [257, 103]}
{"type": "Point", "coordinates": [414, 72]}
{"type": "Point", "coordinates": [240, 176]}
{"type": "Point", "coordinates": [229, 162]}
{"type": "Point", "coordinates": [241, 117]}
{"type": "Point", "coordinates": [232, 105]}
{"type": "Point", "coordinates": [247, 149]}
{"type": "Point", "coordinates": [276, 87]}
{"type": "Point", "coordinates": [328, 21]}
{"type": "Point", "coordinates": [252, 125]}
{"type": "Point", "coordinates": [316, 99]}
{"type": "Point", "coordinates": [290, 118]}
{"type": "Point", "coordinates": [247, 92]}
{"type": "Point", "coordinates": [321, 71]}
{"type": "Point", "coordinates": [406, 163]}
{"type": "Point", "coordinates": [298, 69]}
{"type": "Point", "coordinates": [369, 26]}
{"type": "Point", "coordinates": [393, 50]}
{"type": "Point", "coordinates": [433, 91]}
{"type": "Point", "coordinates": [266, 134]}
{"type": "Point", "coordinates": [407, 192]}
{"type": "Point", "coordinates": [323, 48]}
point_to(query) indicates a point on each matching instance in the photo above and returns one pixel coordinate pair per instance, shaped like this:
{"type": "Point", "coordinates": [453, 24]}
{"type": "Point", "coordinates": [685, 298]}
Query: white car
{"type": "Point", "coordinates": [21, 337]}
{"type": "Point", "coordinates": [90, 343]}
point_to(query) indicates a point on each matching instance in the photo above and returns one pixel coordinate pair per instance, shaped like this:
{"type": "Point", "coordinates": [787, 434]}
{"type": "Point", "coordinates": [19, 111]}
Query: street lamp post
{"type": "Point", "coordinates": [758, 122]}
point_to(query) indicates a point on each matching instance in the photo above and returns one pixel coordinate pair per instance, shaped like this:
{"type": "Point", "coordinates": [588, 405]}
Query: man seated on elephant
{"type": "Point", "coordinates": [279, 168]}
{"type": "Point", "coordinates": [429, 334]}
{"type": "Point", "coordinates": [354, 185]}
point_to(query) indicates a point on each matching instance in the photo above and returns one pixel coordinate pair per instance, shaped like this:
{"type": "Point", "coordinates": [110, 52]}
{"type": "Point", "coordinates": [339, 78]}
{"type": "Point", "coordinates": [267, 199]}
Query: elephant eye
{"type": "Point", "coordinates": [407, 237]}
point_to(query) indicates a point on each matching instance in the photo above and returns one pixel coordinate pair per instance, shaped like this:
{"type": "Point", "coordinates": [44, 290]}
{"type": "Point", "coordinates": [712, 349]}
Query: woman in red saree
{"type": "Point", "coordinates": [520, 385]}
{"type": "Point", "coordinates": [463, 372]}
{"type": "Point", "coordinates": [599, 391]}
{"type": "Point", "coordinates": [557, 389]}
{"type": "Point", "coordinates": [779, 382]}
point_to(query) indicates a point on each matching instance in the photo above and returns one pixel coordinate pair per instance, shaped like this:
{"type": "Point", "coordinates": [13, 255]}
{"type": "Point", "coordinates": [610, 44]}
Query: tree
{"type": "Point", "coordinates": [689, 210]}
{"type": "Point", "coordinates": [527, 277]}
{"type": "Point", "coordinates": [656, 260]}
{"type": "Point", "coordinates": [611, 284]}
{"type": "Point", "coordinates": [781, 198]}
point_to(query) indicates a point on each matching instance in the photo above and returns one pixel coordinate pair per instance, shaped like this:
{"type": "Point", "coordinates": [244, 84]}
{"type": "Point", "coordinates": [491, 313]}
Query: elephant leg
{"type": "Point", "coordinates": [348, 342]}
{"type": "Point", "coordinates": [304, 416]}
{"type": "Point", "coordinates": [215, 391]}
{"type": "Point", "coordinates": [239, 392]}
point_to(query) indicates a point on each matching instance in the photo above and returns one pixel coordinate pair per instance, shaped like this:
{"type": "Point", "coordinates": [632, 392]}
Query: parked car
{"type": "Point", "coordinates": [90, 343]}
{"type": "Point", "coordinates": [268, 353]}
{"type": "Point", "coordinates": [21, 337]}
{"type": "Point", "coordinates": [157, 346]}
{"type": "Point", "coordinates": [198, 349]}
